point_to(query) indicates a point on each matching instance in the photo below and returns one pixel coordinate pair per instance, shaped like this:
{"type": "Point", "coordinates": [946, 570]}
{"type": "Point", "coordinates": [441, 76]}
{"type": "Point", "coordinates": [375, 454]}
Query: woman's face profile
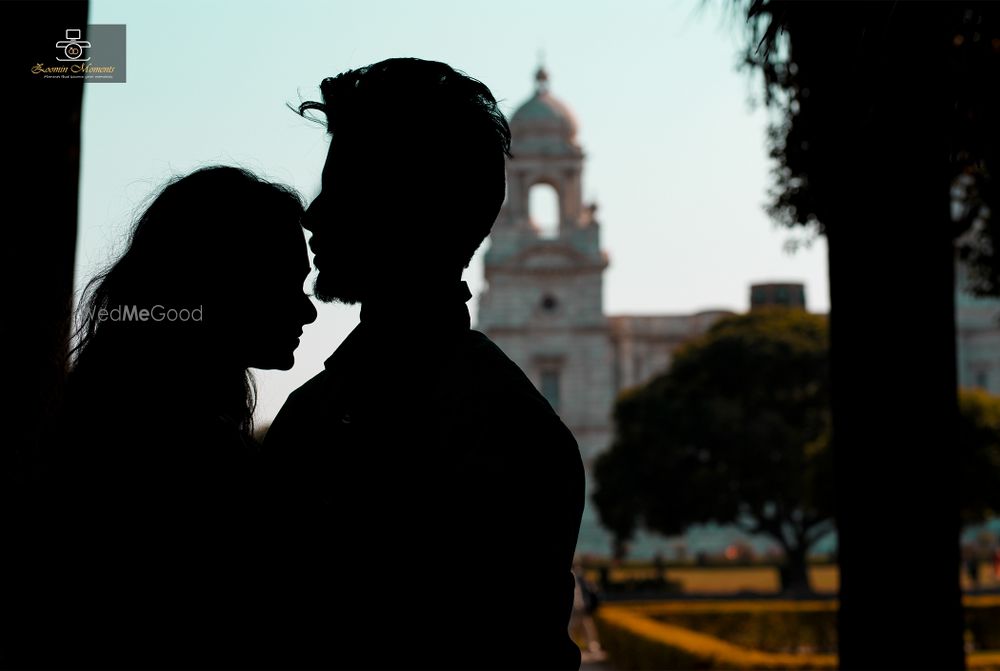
{"type": "Point", "coordinates": [264, 309]}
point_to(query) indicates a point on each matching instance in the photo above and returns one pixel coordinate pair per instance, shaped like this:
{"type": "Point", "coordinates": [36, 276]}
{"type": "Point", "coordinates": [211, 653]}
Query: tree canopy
{"type": "Point", "coordinates": [801, 155]}
{"type": "Point", "coordinates": [736, 431]}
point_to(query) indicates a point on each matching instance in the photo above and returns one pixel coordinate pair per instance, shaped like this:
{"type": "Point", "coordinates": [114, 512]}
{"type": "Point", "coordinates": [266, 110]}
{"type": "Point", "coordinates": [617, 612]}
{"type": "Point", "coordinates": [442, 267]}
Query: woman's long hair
{"type": "Point", "coordinates": [190, 247]}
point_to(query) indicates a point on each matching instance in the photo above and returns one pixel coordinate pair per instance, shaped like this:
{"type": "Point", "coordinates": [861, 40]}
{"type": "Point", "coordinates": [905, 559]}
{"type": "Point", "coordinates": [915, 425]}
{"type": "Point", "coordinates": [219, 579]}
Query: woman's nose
{"type": "Point", "coordinates": [309, 313]}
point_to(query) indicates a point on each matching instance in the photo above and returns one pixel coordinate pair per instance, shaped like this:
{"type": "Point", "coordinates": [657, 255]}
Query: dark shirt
{"type": "Point", "coordinates": [438, 500]}
{"type": "Point", "coordinates": [145, 545]}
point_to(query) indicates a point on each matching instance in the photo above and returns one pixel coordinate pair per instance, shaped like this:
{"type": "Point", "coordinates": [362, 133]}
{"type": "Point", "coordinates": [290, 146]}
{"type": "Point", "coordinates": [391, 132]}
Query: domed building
{"type": "Point", "coordinates": [543, 304]}
{"type": "Point", "coordinates": [544, 298]}
{"type": "Point", "coordinates": [543, 124]}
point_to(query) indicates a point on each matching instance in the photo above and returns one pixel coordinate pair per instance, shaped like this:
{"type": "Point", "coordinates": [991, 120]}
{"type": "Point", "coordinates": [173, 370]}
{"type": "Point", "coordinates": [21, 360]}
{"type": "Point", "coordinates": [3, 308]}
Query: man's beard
{"type": "Point", "coordinates": [330, 288]}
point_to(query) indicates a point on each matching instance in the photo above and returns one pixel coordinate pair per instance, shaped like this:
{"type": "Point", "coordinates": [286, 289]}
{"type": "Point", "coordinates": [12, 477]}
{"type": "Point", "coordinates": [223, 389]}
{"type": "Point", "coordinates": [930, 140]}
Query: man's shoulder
{"type": "Point", "coordinates": [496, 383]}
{"type": "Point", "coordinates": [495, 372]}
{"type": "Point", "coordinates": [506, 401]}
{"type": "Point", "coordinates": [298, 414]}
{"type": "Point", "coordinates": [312, 389]}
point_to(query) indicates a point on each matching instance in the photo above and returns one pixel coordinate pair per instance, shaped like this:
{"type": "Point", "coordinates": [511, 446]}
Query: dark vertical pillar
{"type": "Point", "coordinates": [877, 78]}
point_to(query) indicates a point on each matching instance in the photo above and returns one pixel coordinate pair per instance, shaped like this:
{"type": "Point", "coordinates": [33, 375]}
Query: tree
{"type": "Point", "coordinates": [735, 432]}
{"type": "Point", "coordinates": [882, 108]}
{"type": "Point", "coordinates": [972, 58]}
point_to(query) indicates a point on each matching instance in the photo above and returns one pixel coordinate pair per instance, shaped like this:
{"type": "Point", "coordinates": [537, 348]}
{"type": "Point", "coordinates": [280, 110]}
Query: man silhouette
{"type": "Point", "coordinates": [436, 495]}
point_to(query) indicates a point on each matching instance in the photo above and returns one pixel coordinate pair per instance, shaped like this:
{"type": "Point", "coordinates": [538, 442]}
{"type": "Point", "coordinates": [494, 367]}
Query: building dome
{"type": "Point", "coordinates": [543, 123]}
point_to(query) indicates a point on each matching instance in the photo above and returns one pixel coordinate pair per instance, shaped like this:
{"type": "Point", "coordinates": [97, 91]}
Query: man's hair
{"type": "Point", "coordinates": [441, 126]}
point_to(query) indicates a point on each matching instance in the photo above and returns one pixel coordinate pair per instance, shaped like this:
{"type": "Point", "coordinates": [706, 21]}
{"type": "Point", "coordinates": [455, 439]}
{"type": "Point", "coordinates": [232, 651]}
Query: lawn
{"type": "Point", "coordinates": [763, 579]}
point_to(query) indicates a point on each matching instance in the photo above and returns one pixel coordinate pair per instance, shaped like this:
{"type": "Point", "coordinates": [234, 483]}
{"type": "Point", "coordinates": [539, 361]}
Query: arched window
{"type": "Point", "coordinates": [543, 210]}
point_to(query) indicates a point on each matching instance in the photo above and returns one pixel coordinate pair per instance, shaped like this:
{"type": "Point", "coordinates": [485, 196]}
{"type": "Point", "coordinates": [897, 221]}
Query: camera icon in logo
{"type": "Point", "coordinates": [72, 46]}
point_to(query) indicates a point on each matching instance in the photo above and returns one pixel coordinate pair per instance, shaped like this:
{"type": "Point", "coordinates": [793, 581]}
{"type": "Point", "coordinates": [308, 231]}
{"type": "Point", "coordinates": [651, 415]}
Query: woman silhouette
{"type": "Point", "coordinates": [160, 548]}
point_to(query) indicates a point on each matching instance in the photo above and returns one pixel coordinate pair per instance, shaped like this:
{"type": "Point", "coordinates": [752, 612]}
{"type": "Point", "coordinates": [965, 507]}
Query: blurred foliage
{"type": "Point", "coordinates": [802, 157]}
{"type": "Point", "coordinates": [737, 431]}
{"type": "Point", "coordinates": [982, 621]}
{"type": "Point", "coordinates": [979, 435]}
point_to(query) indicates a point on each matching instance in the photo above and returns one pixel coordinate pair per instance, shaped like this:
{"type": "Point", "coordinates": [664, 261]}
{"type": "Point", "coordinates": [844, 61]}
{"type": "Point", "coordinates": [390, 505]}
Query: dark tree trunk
{"type": "Point", "coordinates": [39, 237]}
{"type": "Point", "coordinates": [38, 246]}
{"type": "Point", "coordinates": [877, 83]}
{"type": "Point", "coordinates": [794, 573]}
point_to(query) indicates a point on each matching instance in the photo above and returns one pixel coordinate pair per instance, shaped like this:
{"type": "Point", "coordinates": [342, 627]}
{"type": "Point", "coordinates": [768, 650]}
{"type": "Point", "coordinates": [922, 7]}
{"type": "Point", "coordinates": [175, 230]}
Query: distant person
{"type": "Point", "coordinates": [659, 569]}
{"type": "Point", "coordinates": [585, 604]}
{"type": "Point", "coordinates": [970, 559]}
{"type": "Point", "coordinates": [151, 546]}
{"type": "Point", "coordinates": [420, 436]}
{"type": "Point", "coordinates": [604, 577]}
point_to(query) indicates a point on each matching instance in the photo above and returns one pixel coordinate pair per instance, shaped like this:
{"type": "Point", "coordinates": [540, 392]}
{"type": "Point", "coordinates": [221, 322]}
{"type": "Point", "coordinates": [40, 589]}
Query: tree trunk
{"type": "Point", "coordinates": [39, 244]}
{"type": "Point", "coordinates": [794, 573]}
{"type": "Point", "coordinates": [38, 248]}
{"type": "Point", "coordinates": [878, 93]}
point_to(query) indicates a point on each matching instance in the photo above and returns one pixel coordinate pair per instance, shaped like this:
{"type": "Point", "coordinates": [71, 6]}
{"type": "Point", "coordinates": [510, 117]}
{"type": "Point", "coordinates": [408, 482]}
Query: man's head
{"type": "Point", "coordinates": [413, 181]}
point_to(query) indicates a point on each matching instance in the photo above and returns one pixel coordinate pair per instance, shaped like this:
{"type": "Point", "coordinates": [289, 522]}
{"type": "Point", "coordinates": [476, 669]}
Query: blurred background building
{"type": "Point", "coordinates": [978, 334]}
{"type": "Point", "coordinates": [786, 294]}
{"type": "Point", "coordinates": [543, 302]}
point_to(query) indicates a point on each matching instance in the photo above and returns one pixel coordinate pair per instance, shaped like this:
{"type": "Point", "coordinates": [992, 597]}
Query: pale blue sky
{"type": "Point", "coordinates": [676, 158]}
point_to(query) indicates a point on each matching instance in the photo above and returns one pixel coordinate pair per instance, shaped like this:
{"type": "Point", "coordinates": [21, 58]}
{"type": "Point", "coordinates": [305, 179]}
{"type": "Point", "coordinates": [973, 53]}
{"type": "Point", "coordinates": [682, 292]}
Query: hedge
{"type": "Point", "coordinates": [659, 635]}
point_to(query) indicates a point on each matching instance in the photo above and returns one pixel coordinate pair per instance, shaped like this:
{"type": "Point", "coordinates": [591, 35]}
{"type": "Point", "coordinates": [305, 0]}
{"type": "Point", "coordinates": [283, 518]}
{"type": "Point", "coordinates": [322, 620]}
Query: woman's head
{"type": "Point", "coordinates": [211, 280]}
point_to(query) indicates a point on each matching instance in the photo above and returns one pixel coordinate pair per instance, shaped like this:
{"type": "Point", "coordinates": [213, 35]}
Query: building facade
{"type": "Point", "coordinates": [978, 337]}
{"type": "Point", "coordinates": [543, 302]}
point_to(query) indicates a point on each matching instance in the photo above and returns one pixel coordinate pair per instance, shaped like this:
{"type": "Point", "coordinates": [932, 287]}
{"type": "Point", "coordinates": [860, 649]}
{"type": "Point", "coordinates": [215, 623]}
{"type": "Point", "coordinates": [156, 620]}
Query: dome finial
{"type": "Point", "coordinates": [541, 75]}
